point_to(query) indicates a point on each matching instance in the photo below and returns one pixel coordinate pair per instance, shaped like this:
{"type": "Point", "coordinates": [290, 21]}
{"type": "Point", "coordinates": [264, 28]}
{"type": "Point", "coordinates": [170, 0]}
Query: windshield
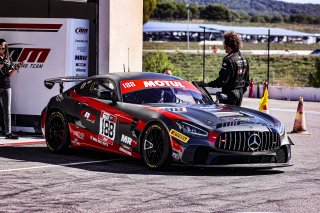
{"type": "Point", "coordinates": [167, 92]}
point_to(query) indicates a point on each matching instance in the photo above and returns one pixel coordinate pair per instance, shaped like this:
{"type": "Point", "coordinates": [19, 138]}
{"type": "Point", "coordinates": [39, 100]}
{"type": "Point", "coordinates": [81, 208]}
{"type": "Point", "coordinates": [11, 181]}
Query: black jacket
{"type": "Point", "coordinates": [233, 77]}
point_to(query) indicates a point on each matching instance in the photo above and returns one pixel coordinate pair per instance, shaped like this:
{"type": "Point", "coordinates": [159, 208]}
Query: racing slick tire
{"type": "Point", "coordinates": [57, 133]}
{"type": "Point", "coordinates": [156, 148]}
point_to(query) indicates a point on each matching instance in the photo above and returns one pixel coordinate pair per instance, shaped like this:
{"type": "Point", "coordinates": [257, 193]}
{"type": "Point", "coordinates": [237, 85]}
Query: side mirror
{"type": "Point", "coordinates": [107, 95]}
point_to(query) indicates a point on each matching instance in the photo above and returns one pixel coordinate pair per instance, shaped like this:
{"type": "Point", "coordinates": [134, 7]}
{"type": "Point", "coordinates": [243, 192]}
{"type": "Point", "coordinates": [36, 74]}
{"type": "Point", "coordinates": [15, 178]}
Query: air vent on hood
{"type": "Point", "coordinates": [226, 124]}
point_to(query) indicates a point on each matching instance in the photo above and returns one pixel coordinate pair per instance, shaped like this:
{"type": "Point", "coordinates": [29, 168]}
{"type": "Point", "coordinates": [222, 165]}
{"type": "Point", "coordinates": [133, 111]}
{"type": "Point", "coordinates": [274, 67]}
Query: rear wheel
{"type": "Point", "coordinates": [57, 133]}
{"type": "Point", "coordinates": [156, 148]}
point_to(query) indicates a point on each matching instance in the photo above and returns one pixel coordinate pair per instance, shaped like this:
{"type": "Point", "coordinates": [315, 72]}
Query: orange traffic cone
{"type": "Point", "coordinates": [264, 102]}
{"type": "Point", "coordinates": [300, 121]}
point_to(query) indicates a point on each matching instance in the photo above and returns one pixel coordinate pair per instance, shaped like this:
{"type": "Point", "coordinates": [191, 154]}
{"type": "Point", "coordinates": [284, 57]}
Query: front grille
{"type": "Point", "coordinates": [239, 141]}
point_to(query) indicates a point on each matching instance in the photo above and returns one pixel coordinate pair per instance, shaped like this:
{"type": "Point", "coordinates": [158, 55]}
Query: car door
{"type": "Point", "coordinates": [95, 114]}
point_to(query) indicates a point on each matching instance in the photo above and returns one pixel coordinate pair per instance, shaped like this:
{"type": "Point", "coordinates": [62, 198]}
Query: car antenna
{"type": "Point", "coordinates": [124, 68]}
{"type": "Point", "coordinates": [128, 59]}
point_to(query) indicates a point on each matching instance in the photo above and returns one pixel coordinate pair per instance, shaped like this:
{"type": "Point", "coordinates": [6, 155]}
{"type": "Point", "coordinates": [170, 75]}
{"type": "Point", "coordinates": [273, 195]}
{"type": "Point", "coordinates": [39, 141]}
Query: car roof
{"type": "Point", "coordinates": [119, 76]}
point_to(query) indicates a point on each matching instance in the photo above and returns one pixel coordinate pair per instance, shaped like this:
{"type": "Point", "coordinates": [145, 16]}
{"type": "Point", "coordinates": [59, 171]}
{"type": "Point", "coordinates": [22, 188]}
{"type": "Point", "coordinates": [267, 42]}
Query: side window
{"type": "Point", "coordinates": [83, 88]}
{"type": "Point", "coordinates": [99, 87]}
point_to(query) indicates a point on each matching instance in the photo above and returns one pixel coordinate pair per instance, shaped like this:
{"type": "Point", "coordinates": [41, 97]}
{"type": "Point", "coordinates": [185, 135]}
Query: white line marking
{"type": "Point", "coordinates": [292, 110]}
{"type": "Point", "coordinates": [66, 164]}
{"type": "Point", "coordinates": [286, 110]}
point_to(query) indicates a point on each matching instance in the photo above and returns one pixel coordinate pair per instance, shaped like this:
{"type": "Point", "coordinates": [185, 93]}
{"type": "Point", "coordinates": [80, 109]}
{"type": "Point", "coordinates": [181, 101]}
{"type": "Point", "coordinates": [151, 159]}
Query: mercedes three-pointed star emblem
{"type": "Point", "coordinates": [254, 142]}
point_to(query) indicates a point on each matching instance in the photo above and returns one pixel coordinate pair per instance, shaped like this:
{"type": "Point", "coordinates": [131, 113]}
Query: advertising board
{"type": "Point", "coordinates": [49, 48]}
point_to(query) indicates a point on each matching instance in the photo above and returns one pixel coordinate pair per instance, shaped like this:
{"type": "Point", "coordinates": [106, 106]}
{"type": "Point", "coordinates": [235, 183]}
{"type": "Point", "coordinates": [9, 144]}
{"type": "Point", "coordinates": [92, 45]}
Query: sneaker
{"type": "Point", "coordinates": [11, 136]}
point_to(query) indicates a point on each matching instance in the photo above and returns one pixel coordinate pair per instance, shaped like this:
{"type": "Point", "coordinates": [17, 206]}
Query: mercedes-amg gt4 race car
{"type": "Point", "coordinates": [163, 120]}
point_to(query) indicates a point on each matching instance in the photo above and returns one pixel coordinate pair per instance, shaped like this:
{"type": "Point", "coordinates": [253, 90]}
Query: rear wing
{"type": "Point", "coordinates": [49, 83]}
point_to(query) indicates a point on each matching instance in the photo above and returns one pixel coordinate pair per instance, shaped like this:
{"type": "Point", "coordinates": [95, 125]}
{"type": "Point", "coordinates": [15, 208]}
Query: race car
{"type": "Point", "coordinates": [163, 120]}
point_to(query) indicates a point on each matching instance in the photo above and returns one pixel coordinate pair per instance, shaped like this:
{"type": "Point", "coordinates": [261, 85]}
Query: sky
{"type": "Point", "coordinates": [302, 1]}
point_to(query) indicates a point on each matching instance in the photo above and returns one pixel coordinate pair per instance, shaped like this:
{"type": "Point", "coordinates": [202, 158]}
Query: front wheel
{"type": "Point", "coordinates": [156, 148]}
{"type": "Point", "coordinates": [57, 133]}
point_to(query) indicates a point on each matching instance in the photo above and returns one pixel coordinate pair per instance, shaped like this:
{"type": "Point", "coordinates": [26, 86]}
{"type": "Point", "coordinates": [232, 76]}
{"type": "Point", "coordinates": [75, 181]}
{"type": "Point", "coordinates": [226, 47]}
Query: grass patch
{"type": "Point", "coordinates": [246, 46]}
{"type": "Point", "coordinates": [285, 70]}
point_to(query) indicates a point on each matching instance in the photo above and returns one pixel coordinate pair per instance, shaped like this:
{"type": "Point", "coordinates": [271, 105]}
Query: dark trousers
{"type": "Point", "coordinates": [5, 98]}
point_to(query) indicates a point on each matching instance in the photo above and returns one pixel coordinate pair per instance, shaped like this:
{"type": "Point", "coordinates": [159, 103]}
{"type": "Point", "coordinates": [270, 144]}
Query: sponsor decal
{"type": "Point", "coordinates": [240, 119]}
{"type": "Point", "coordinates": [125, 151]}
{"type": "Point", "coordinates": [82, 49]}
{"type": "Point", "coordinates": [175, 156]}
{"type": "Point", "coordinates": [174, 109]}
{"type": "Point", "coordinates": [81, 30]}
{"type": "Point", "coordinates": [179, 136]}
{"type": "Point", "coordinates": [134, 85]}
{"type": "Point", "coordinates": [88, 116]}
{"type": "Point", "coordinates": [210, 109]}
{"type": "Point", "coordinates": [81, 64]}
{"type": "Point", "coordinates": [107, 128]}
{"type": "Point", "coordinates": [35, 57]}
{"type": "Point", "coordinates": [80, 70]}
{"type": "Point", "coordinates": [78, 135]}
{"type": "Point", "coordinates": [128, 140]}
{"type": "Point", "coordinates": [97, 140]}
{"type": "Point", "coordinates": [81, 41]}
{"type": "Point", "coordinates": [162, 84]}
{"type": "Point", "coordinates": [126, 147]}
{"type": "Point", "coordinates": [80, 57]}
{"type": "Point", "coordinates": [128, 84]}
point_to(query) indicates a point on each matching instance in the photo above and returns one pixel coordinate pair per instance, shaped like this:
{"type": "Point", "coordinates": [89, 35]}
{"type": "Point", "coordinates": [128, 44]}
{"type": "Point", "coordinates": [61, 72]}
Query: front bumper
{"type": "Point", "coordinates": [205, 156]}
{"type": "Point", "coordinates": [247, 166]}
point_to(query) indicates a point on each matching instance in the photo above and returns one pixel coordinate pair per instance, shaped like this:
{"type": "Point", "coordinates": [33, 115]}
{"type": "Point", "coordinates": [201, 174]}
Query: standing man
{"type": "Point", "coordinates": [234, 74]}
{"type": "Point", "coordinates": [7, 70]}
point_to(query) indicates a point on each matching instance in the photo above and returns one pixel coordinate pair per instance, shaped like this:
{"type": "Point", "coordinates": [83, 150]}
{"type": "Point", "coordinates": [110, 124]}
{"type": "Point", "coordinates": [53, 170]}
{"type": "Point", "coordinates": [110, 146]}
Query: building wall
{"type": "Point", "coordinates": [120, 35]}
{"type": "Point", "coordinates": [119, 41]}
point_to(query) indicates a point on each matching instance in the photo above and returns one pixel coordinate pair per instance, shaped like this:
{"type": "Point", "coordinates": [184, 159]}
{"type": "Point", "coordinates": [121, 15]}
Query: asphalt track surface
{"type": "Point", "coordinates": [34, 180]}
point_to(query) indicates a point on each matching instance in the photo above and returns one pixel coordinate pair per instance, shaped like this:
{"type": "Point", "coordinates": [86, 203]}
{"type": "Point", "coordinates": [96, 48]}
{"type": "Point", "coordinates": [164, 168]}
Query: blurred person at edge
{"type": "Point", "coordinates": [6, 71]}
{"type": "Point", "coordinates": [166, 72]}
{"type": "Point", "coordinates": [234, 73]}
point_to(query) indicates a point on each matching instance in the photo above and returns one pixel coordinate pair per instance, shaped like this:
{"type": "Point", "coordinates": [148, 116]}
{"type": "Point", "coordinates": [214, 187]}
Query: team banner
{"type": "Point", "coordinates": [49, 48]}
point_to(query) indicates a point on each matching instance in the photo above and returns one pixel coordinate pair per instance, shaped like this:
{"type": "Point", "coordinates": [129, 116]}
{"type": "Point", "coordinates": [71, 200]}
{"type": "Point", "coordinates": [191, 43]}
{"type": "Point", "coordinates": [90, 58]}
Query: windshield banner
{"type": "Point", "coordinates": [134, 85]}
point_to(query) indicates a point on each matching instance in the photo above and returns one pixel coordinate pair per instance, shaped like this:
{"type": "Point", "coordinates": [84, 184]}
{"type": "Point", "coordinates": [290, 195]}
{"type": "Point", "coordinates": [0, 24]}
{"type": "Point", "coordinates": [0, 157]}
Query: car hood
{"type": "Point", "coordinates": [223, 117]}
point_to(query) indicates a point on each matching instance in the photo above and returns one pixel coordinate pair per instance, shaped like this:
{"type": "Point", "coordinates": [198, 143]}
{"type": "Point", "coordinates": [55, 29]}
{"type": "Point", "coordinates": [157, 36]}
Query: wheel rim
{"type": "Point", "coordinates": [56, 132]}
{"type": "Point", "coordinates": [154, 146]}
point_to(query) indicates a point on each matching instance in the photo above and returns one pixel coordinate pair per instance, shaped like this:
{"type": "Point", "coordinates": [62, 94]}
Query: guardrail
{"type": "Point", "coordinates": [282, 93]}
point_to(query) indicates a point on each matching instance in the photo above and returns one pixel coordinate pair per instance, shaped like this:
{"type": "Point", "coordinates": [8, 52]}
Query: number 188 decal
{"type": "Point", "coordinates": [107, 129]}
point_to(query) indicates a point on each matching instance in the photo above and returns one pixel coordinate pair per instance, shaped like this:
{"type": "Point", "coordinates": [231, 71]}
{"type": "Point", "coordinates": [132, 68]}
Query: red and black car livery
{"type": "Point", "coordinates": [161, 119]}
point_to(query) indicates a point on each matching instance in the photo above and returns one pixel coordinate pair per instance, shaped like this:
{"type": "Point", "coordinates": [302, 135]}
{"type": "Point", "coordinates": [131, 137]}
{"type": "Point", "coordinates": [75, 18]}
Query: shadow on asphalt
{"type": "Point", "coordinates": [120, 165]}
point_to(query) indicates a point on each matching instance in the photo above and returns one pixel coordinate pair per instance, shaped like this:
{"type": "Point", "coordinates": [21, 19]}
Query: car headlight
{"type": "Point", "coordinates": [192, 130]}
{"type": "Point", "coordinates": [281, 129]}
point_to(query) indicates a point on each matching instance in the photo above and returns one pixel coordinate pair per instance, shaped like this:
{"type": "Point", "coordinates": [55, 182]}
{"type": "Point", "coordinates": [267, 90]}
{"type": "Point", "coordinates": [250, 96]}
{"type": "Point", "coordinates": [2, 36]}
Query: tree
{"type": "Point", "coordinates": [194, 11]}
{"type": "Point", "coordinates": [148, 7]}
{"type": "Point", "coordinates": [157, 61]}
{"type": "Point", "coordinates": [215, 13]}
{"type": "Point", "coordinates": [297, 18]}
{"type": "Point", "coordinates": [165, 10]}
{"type": "Point", "coordinates": [180, 12]}
{"type": "Point", "coordinates": [276, 19]}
